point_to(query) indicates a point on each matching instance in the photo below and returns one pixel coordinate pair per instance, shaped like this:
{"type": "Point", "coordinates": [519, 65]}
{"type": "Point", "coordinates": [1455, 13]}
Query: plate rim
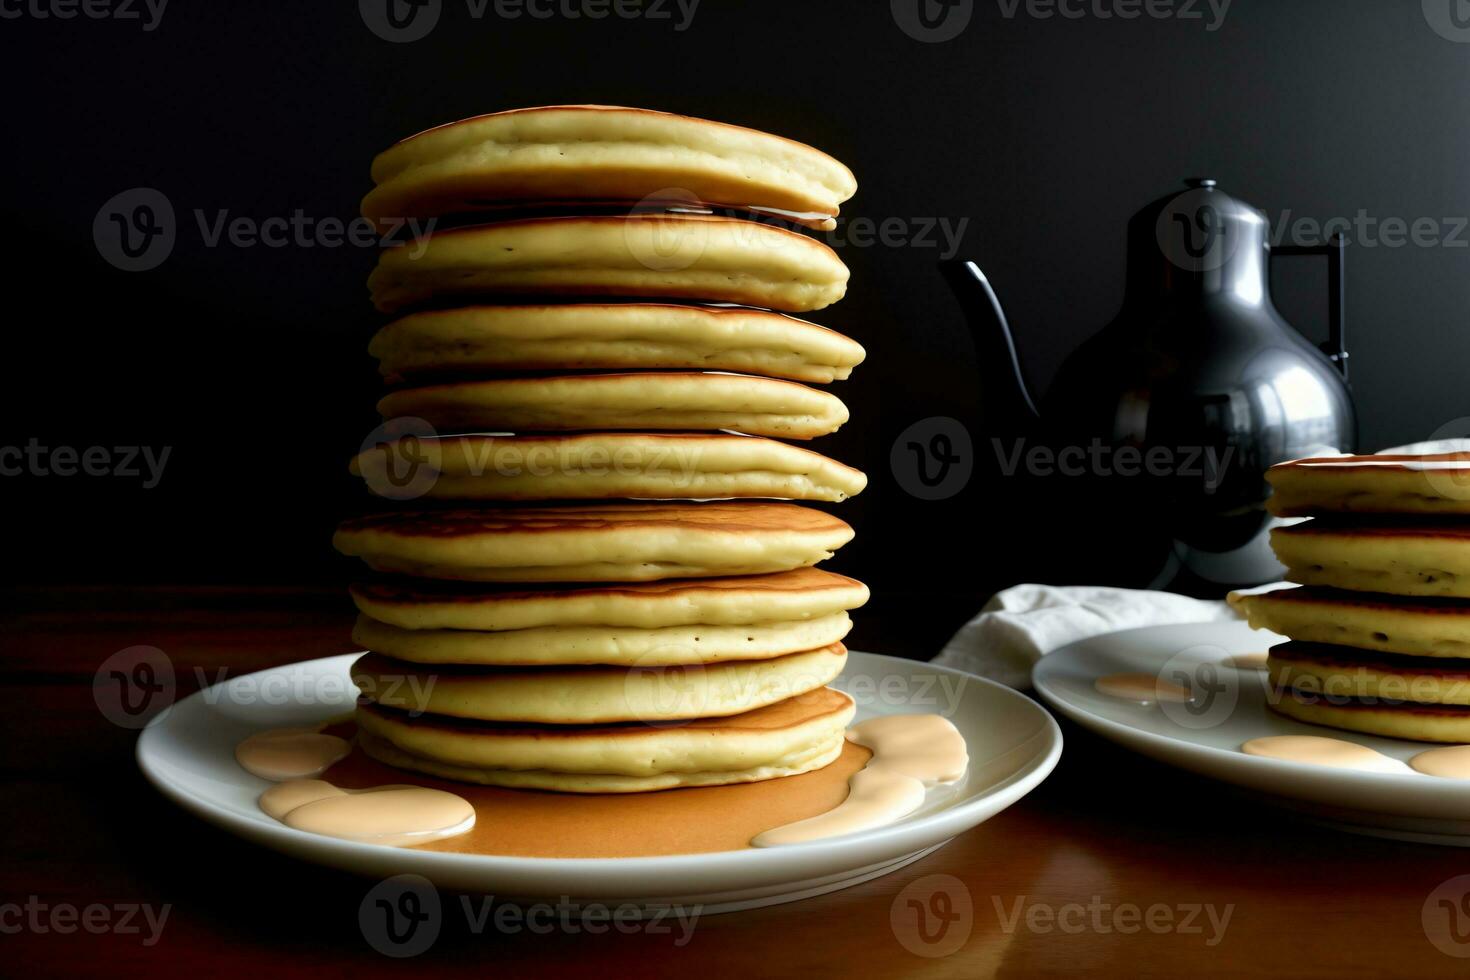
{"type": "Point", "coordinates": [897, 839]}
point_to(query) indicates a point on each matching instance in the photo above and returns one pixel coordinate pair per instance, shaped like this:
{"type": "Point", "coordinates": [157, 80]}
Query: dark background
{"type": "Point", "coordinates": [1046, 134]}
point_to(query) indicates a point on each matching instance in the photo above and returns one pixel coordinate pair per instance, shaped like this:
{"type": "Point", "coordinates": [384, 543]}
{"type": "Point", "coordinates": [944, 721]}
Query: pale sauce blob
{"type": "Point", "coordinates": [1145, 688]}
{"type": "Point", "coordinates": [1447, 761]}
{"type": "Point", "coordinates": [282, 798]}
{"type": "Point", "coordinates": [396, 815]}
{"type": "Point", "coordinates": [910, 753]}
{"type": "Point", "coordinates": [1318, 751]}
{"type": "Point", "coordinates": [1248, 661]}
{"type": "Point", "coordinates": [290, 753]}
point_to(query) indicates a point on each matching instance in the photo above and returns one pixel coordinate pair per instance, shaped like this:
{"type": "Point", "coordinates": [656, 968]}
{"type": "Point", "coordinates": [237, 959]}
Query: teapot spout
{"type": "Point", "coordinates": [1006, 403]}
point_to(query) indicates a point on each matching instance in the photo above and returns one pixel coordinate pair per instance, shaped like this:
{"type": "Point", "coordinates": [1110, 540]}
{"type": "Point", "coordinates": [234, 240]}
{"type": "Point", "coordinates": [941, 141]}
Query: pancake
{"type": "Point", "coordinates": [1422, 627]}
{"type": "Point", "coordinates": [802, 594]}
{"type": "Point", "coordinates": [1343, 672]}
{"type": "Point", "coordinates": [1389, 484]}
{"type": "Point", "coordinates": [594, 695]}
{"type": "Point", "coordinates": [603, 465]}
{"type": "Point", "coordinates": [648, 400]}
{"type": "Point", "coordinates": [783, 739]}
{"type": "Point", "coordinates": [606, 336]}
{"type": "Point", "coordinates": [1418, 722]}
{"type": "Point", "coordinates": [1404, 557]}
{"type": "Point", "coordinates": [587, 152]}
{"type": "Point", "coordinates": [594, 543]}
{"type": "Point", "coordinates": [555, 645]}
{"type": "Point", "coordinates": [698, 257]}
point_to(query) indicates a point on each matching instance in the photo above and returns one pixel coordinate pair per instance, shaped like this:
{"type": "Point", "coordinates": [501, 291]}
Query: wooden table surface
{"type": "Point", "coordinates": [1115, 866]}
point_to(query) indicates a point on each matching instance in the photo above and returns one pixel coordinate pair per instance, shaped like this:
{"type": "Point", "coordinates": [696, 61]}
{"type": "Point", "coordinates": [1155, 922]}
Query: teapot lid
{"type": "Point", "coordinates": [1200, 240]}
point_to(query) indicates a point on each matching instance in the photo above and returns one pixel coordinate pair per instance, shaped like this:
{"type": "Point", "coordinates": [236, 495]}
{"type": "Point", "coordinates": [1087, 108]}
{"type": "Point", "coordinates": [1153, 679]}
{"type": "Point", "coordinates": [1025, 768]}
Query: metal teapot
{"type": "Point", "coordinates": [1171, 414]}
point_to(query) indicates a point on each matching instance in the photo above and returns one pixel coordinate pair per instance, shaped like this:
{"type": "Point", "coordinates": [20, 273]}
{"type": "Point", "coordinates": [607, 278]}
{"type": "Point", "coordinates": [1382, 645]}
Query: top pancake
{"type": "Point", "coordinates": [600, 153]}
{"type": "Point", "coordinates": [1432, 484]}
{"type": "Point", "coordinates": [696, 257]}
{"type": "Point", "coordinates": [622, 336]}
{"type": "Point", "coordinates": [594, 543]}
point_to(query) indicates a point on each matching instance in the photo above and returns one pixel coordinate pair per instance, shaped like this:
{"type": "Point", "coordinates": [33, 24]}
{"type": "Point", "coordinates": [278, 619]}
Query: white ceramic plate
{"type": "Point", "coordinates": [188, 753]}
{"type": "Point", "coordinates": [1205, 737]}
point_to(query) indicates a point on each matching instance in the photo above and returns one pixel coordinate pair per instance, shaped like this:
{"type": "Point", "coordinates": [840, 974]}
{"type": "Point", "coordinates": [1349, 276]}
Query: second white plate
{"type": "Point", "coordinates": [1205, 736]}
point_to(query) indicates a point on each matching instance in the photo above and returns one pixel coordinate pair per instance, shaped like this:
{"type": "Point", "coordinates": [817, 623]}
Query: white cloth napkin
{"type": "Point", "coordinates": [1019, 626]}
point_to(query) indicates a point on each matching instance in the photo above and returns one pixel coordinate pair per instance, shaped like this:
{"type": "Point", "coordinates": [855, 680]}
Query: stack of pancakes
{"type": "Point", "coordinates": [1380, 629]}
{"type": "Point", "coordinates": [601, 586]}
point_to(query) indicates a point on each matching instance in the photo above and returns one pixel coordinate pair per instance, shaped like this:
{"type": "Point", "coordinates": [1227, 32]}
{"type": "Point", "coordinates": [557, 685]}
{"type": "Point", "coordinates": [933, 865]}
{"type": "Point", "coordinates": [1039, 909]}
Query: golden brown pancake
{"type": "Point", "coordinates": [604, 465]}
{"type": "Point", "coordinates": [1425, 627]}
{"type": "Point", "coordinates": [600, 153]}
{"type": "Point", "coordinates": [687, 257]}
{"type": "Point", "coordinates": [783, 739]}
{"type": "Point", "coordinates": [626, 646]}
{"type": "Point", "coordinates": [1418, 722]}
{"type": "Point", "coordinates": [798, 595]}
{"type": "Point", "coordinates": [594, 543]}
{"type": "Point", "coordinates": [1398, 556]}
{"type": "Point", "coordinates": [594, 695]}
{"type": "Point", "coordinates": [1344, 672]}
{"type": "Point", "coordinates": [682, 400]}
{"type": "Point", "coordinates": [459, 342]}
{"type": "Point", "coordinates": [1390, 484]}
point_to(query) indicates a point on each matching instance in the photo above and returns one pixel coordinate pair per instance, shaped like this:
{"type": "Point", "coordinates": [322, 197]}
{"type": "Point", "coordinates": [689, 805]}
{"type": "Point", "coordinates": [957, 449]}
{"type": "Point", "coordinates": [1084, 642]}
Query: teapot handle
{"type": "Point", "coordinates": [1336, 248]}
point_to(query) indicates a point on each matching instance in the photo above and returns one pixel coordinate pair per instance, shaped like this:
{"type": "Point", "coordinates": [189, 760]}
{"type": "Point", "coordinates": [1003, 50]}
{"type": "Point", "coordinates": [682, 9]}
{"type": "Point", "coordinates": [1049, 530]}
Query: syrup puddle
{"type": "Point", "coordinates": [906, 755]}
{"type": "Point", "coordinates": [910, 754]}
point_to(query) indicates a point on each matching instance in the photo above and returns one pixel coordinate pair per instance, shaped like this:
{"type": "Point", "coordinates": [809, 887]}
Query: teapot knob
{"type": "Point", "coordinates": [1206, 183]}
